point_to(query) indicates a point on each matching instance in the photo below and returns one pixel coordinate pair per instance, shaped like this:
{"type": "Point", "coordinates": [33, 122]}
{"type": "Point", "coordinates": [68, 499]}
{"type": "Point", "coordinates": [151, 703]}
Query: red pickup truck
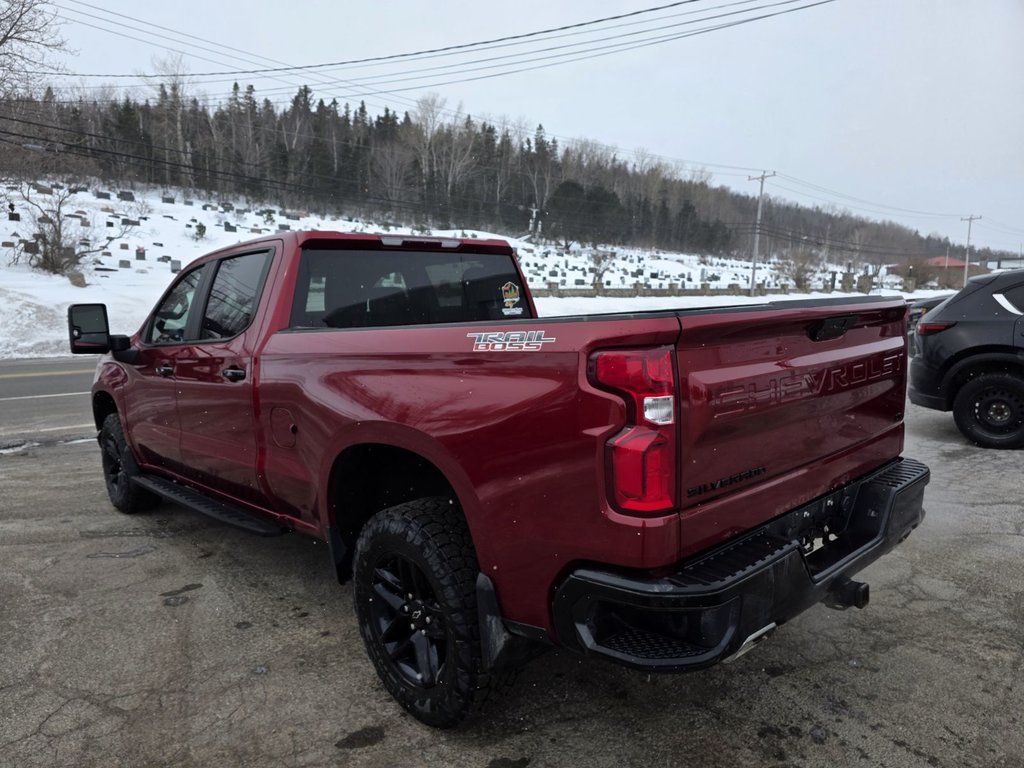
{"type": "Point", "coordinates": [661, 489]}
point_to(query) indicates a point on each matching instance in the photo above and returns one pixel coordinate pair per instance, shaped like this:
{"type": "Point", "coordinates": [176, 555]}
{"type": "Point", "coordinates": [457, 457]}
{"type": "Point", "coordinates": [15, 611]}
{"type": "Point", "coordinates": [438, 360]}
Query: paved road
{"type": "Point", "coordinates": [170, 640]}
{"type": "Point", "coordinates": [45, 398]}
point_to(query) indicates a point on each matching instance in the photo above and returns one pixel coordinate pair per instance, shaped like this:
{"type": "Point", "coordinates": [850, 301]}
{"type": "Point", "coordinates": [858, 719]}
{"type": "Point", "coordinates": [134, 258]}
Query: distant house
{"type": "Point", "coordinates": [943, 262]}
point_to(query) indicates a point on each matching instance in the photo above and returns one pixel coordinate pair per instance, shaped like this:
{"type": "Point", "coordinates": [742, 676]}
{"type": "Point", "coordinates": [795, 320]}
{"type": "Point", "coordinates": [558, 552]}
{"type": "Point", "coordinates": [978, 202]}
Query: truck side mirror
{"type": "Point", "coordinates": [88, 330]}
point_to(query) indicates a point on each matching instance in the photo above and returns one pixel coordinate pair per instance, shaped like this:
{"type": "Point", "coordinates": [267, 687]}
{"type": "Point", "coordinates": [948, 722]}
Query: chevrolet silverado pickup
{"type": "Point", "coordinates": [662, 489]}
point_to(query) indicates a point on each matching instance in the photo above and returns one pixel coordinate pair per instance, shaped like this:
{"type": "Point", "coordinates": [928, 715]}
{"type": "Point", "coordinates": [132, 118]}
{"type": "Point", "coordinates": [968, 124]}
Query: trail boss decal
{"type": "Point", "coordinates": [510, 295]}
{"type": "Point", "coordinates": [509, 341]}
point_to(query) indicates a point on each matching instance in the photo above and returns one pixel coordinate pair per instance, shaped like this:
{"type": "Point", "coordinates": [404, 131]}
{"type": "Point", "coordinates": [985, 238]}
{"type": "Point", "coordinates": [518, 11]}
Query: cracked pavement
{"type": "Point", "coordinates": [167, 639]}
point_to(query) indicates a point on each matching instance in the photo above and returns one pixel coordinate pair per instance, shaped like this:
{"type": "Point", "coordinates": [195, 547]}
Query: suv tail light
{"type": "Point", "coordinates": [927, 329]}
{"type": "Point", "coordinates": [641, 458]}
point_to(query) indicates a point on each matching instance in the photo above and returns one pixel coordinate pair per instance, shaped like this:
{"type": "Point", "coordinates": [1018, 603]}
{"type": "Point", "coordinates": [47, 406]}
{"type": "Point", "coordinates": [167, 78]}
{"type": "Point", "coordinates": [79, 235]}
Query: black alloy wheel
{"type": "Point", "coordinates": [407, 621]}
{"type": "Point", "coordinates": [414, 589]}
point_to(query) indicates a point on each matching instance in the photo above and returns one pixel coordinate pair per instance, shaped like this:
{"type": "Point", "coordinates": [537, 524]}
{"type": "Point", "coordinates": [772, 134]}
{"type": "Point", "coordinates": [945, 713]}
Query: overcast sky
{"type": "Point", "coordinates": [910, 110]}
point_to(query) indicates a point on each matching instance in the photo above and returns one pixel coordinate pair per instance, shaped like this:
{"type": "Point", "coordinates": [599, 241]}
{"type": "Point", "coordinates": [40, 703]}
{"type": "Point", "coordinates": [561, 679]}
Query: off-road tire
{"type": "Point", "coordinates": [118, 469]}
{"type": "Point", "coordinates": [415, 599]}
{"type": "Point", "coordinates": [989, 410]}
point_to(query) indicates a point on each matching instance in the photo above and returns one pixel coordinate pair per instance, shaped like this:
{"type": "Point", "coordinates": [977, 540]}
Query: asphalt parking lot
{"type": "Point", "coordinates": [171, 640]}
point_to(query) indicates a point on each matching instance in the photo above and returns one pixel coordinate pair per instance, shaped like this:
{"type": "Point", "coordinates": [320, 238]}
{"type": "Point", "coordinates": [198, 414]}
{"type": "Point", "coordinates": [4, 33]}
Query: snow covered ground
{"type": "Point", "coordinates": [33, 305]}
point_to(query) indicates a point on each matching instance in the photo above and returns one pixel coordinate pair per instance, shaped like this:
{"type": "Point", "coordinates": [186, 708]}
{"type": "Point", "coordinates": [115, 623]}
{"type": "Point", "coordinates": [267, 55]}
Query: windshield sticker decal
{"type": "Point", "coordinates": [510, 295]}
{"type": "Point", "coordinates": [509, 341]}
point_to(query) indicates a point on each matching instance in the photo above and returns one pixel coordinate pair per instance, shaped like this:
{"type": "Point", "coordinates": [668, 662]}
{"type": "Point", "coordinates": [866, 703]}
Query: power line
{"type": "Point", "coordinates": [550, 54]}
{"type": "Point", "coordinates": [464, 66]}
{"type": "Point", "coordinates": [1002, 228]}
{"type": "Point", "coordinates": [461, 46]}
{"type": "Point", "coordinates": [587, 54]}
{"type": "Point", "coordinates": [501, 124]}
{"type": "Point", "coordinates": [843, 195]}
{"type": "Point", "coordinates": [498, 123]}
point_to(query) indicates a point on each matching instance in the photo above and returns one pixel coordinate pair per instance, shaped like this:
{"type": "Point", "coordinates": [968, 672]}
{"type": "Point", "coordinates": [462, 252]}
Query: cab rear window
{"type": "Point", "coordinates": [361, 289]}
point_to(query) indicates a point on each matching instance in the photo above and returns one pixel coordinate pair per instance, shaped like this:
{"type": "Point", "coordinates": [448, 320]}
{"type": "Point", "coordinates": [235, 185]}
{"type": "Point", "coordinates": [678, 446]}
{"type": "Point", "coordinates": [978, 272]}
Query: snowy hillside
{"type": "Point", "coordinates": [171, 230]}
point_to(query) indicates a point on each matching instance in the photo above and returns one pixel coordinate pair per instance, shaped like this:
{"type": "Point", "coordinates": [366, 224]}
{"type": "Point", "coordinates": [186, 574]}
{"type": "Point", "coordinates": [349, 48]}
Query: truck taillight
{"type": "Point", "coordinates": [642, 456]}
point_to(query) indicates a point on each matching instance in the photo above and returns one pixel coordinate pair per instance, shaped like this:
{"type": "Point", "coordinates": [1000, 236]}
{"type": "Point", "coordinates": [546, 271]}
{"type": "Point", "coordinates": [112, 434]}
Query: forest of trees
{"type": "Point", "coordinates": [427, 166]}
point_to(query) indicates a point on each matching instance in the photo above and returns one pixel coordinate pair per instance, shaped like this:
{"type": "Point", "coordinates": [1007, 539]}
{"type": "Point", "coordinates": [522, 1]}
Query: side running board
{"type": "Point", "coordinates": [218, 510]}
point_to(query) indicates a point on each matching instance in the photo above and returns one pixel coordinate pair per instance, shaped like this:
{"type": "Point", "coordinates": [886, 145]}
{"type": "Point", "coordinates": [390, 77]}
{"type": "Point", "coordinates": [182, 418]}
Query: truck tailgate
{"type": "Point", "coordinates": [780, 406]}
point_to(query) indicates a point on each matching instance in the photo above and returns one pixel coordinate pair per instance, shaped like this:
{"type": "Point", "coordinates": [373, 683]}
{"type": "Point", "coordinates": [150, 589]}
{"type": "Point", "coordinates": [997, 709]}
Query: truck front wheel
{"type": "Point", "coordinates": [415, 599]}
{"type": "Point", "coordinates": [118, 469]}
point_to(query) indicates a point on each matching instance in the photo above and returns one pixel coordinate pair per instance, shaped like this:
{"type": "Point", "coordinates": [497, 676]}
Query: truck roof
{"type": "Point", "coordinates": [370, 241]}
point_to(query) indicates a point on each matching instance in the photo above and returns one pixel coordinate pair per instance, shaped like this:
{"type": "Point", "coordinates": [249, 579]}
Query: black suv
{"type": "Point", "coordinates": [970, 359]}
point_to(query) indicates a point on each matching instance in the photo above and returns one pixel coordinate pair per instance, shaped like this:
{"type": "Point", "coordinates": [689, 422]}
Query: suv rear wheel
{"type": "Point", "coordinates": [989, 410]}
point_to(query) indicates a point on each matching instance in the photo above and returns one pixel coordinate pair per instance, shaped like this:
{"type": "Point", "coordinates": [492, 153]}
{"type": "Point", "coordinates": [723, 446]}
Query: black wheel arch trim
{"type": "Point", "coordinates": [947, 388]}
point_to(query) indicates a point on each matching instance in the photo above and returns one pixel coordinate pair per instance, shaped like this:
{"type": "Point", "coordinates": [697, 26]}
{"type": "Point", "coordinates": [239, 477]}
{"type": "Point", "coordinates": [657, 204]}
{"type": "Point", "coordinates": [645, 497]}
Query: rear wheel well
{"type": "Point", "coordinates": [368, 478]}
{"type": "Point", "coordinates": [976, 368]}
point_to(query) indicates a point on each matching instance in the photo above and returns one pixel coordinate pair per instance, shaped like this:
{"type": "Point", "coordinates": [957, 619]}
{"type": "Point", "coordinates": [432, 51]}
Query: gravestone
{"type": "Point", "coordinates": [123, 246]}
{"type": "Point", "coordinates": [102, 195]}
{"type": "Point", "coordinates": [167, 199]}
{"type": "Point", "coordinates": [124, 264]}
{"type": "Point", "coordinates": [175, 265]}
{"type": "Point", "coordinates": [125, 196]}
{"type": "Point", "coordinates": [140, 254]}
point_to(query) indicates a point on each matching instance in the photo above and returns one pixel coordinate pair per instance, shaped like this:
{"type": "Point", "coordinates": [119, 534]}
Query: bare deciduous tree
{"type": "Point", "coordinates": [60, 238]}
{"type": "Point", "coordinates": [799, 265]}
{"type": "Point", "coordinates": [390, 166]}
{"type": "Point", "coordinates": [29, 34]}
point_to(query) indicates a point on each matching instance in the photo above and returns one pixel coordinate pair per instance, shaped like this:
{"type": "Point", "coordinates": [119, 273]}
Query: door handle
{"type": "Point", "coordinates": [233, 374]}
{"type": "Point", "coordinates": [165, 369]}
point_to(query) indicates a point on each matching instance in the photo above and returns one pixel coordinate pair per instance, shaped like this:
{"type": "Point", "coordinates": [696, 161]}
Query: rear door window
{"type": "Point", "coordinates": [234, 295]}
{"type": "Point", "coordinates": [360, 289]}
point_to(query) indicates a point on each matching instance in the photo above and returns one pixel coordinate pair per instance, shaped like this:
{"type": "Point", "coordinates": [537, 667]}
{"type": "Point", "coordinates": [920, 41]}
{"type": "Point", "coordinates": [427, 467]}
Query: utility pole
{"type": "Point", "coordinates": [757, 227]}
{"type": "Point", "coordinates": [967, 262]}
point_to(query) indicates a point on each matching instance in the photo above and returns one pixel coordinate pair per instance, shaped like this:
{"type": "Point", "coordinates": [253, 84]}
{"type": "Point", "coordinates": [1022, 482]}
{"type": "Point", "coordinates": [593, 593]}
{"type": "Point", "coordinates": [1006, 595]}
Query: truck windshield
{"type": "Point", "coordinates": [359, 289]}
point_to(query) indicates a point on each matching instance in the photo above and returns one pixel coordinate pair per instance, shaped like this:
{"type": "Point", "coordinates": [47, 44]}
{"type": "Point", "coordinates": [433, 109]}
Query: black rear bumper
{"type": "Point", "coordinates": [720, 602]}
